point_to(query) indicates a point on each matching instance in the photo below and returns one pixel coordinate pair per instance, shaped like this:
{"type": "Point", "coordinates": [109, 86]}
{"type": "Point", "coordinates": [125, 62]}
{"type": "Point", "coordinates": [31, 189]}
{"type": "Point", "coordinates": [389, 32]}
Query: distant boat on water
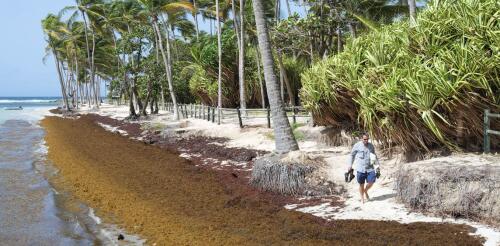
{"type": "Point", "coordinates": [15, 108]}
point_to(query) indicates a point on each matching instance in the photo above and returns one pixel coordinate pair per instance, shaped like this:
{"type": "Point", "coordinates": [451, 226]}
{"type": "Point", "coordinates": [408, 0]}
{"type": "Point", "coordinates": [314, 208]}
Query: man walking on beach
{"type": "Point", "coordinates": [364, 166]}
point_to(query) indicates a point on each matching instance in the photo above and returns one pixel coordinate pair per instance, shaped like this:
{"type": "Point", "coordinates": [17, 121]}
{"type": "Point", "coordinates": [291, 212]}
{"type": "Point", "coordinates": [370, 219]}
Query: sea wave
{"type": "Point", "coordinates": [27, 100]}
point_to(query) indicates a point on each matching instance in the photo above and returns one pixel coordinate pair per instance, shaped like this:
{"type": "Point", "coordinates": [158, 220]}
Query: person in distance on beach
{"type": "Point", "coordinates": [362, 153]}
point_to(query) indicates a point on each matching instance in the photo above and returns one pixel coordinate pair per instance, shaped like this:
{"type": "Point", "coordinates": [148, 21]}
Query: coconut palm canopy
{"type": "Point", "coordinates": [355, 64]}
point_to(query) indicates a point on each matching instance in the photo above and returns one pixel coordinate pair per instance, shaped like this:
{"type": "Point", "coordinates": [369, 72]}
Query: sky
{"type": "Point", "coordinates": [22, 48]}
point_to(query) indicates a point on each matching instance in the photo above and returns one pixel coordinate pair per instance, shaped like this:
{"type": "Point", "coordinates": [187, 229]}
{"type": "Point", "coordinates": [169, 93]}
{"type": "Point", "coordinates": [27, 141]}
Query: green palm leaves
{"type": "Point", "coordinates": [415, 87]}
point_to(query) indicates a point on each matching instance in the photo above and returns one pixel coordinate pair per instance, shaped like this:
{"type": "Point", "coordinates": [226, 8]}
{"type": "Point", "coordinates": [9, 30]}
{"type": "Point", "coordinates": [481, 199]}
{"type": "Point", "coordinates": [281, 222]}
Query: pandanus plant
{"type": "Point", "coordinates": [419, 87]}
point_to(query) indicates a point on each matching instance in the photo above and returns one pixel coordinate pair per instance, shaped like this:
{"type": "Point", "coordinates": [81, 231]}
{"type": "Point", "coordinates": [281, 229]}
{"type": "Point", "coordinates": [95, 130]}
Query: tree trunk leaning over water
{"type": "Point", "coordinates": [284, 138]}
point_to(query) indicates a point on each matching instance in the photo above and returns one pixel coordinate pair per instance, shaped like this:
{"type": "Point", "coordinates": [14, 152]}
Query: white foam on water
{"type": "Point", "coordinates": [111, 232]}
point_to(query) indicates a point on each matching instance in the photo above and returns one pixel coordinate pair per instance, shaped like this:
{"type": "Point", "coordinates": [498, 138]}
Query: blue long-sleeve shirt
{"type": "Point", "coordinates": [360, 154]}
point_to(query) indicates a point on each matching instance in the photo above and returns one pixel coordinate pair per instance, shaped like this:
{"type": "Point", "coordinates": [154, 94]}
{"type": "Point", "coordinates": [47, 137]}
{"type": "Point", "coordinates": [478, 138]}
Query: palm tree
{"type": "Point", "coordinates": [285, 140]}
{"type": "Point", "coordinates": [153, 9]}
{"type": "Point", "coordinates": [241, 61]}
{"type": "Point", "coordinates": [195, 17]}
{"type": "Point", "coordinates": [125, 15]}
{"type": "Point", "coordinates": [219, 48]}
{"type": "Point", "coordinates": [87, 9]}
{"type": "Point", "coordinates": [52, 26]}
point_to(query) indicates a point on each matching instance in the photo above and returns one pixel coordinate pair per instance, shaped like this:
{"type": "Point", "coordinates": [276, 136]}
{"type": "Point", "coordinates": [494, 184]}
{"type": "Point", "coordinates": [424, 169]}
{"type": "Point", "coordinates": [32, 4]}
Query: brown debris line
{"type": "Point", "coordinates": [169, 201]}
{"type": "Point", "coordinates": [210, 153]}
{"type": "Point", "coordinates": [56, 111]}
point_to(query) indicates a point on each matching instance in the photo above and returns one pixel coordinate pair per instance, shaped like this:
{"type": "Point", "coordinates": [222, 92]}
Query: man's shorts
{"type": "Point", "coordinates": [369, 177]}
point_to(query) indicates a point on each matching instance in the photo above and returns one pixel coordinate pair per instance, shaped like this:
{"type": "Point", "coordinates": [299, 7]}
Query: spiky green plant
{"type": "Point", "coordinates": [418, 87]}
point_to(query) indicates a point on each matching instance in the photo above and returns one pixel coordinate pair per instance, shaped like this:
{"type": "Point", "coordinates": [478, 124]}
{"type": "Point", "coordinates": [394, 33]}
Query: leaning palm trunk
{"type": "Point", "coordinates": [63, 89]}
{"type": "Point", "coordinates": [157, 48]}
{"type": "Point", "coordinates": [89, 59]}
{"type": "Point", "coordinates": [219, 78]}
{"type": "Point", "coordinates": [167, 67]}
{"type": "Point", "coordinates": [285, 140]}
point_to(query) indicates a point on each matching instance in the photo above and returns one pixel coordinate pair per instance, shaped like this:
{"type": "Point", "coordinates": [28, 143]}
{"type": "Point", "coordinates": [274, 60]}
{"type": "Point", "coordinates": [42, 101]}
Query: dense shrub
{"type": "Point", "coordinates": [418, 87]}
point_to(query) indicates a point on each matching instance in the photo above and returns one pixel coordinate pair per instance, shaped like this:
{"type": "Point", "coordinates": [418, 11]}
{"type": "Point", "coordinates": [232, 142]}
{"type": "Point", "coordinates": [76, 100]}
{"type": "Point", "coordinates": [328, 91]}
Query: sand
{"type": "Point", "coordinates": [168, 200]}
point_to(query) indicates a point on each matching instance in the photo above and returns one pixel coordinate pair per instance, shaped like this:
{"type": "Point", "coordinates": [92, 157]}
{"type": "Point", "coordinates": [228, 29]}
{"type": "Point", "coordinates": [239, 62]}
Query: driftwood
{"type": "Point", "coordinates": [461, 191]}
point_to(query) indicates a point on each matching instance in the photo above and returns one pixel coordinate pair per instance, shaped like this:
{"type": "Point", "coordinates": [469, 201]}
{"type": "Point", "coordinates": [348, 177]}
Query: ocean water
{"type": "Point", "coordinates": [31, 211]}
{"type": "Point", "coordinates": [33, 107]}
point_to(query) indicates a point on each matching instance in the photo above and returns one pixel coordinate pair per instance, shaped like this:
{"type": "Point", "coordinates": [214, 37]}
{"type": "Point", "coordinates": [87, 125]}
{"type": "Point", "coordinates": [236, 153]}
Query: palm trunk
{"type": "Point", "coordinates": [288, 86]}
{"type": "Point", "coordinates": [243, 101]}
{"type": "Point", "coordinates": [63, 89]}
{"type": "Point", "coordinates": [87, 92]}
{"type": "Point", "coordinates": [262, 93]}
{"type": "Point", "coordinates": [277, 10]}
{"type": "Point", "coordinates": [89, 62]}
{"type": "Point", "coordinates": [241, 53]}
{"type": "Point", "coordinates": [211, 32]}
{"type": "Point", "coordinates": [92, 73]}
{"type": "Point", "coordinates": [157, 48]}
{"type": "Point", "coordinates": [413, 12]}
{"type": "Point", "coordinates": [148, 97]}
{"type": "Point", "coordinates": [136, 94]}
{"type": "Point", "coordinates": [288, 7]}
{"type": "Point", "coordinates": [285, 140]}
{"type": "Point", "coordinates": [339, 40]}
{"type": "Point", "coordinates": [352, 29]}
{"type": "Point", "coordinates": [77, 81]}
{"type": "Point", "coordinates": [131, 113]}
{"type": "Point", "coordinates": [219, 48]}
{"type": "Point", "coordinates": [167, 67]}
{"type": "Point", "coordinates": [311, 49]}
{"type": "Point", "coordinates": [195, 16]}
{"type": "Point", "coordinates": [174, 47]}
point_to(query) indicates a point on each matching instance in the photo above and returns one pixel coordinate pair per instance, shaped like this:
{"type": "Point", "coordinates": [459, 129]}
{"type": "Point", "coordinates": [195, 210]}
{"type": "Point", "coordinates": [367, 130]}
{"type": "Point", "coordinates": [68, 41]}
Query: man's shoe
{"type": "Point", "coordinates": [349, 176]}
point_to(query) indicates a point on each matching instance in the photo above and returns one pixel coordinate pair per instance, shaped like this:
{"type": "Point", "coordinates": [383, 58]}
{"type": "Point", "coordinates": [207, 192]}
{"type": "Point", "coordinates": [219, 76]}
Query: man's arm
{"type": "Point", "coordinates": [372, 149]}
{"type": "Point", "coordinates": [351, 157]}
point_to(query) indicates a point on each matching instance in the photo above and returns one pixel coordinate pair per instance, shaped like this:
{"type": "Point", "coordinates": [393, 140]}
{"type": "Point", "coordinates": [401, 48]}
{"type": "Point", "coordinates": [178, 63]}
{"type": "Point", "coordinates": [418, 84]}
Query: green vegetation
{"type": "Point", "coordinates": [355, 64]}
{"type": "Point", "coordinates": [418, 87]}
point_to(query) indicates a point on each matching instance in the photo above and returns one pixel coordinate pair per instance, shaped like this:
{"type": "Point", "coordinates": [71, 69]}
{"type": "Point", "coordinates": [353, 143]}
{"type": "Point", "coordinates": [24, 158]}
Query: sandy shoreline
{"type": "Point", "coordinates": [169, 200]}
